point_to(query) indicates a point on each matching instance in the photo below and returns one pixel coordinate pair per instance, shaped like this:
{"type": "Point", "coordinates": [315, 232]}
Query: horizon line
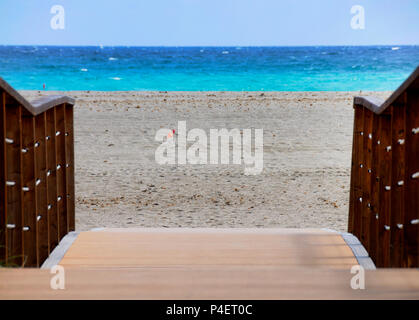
{"type": "Point", "coordinates": [208, 46]}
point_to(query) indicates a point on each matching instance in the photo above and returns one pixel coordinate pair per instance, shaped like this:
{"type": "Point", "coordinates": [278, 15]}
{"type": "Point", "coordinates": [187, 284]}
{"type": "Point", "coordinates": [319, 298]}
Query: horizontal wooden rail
{"type": "Point", "coordinates": [37, 176]}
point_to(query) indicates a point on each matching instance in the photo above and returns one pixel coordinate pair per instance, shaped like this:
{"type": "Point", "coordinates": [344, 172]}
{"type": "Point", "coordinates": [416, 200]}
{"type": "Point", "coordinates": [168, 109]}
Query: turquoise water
{"type": "Point", "coordinates": [208, 68]}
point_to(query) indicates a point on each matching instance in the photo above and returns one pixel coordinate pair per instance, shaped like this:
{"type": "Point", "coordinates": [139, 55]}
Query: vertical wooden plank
{"type": "Point", "coordinates": [357, 171]}
{"type": "Point", "coordinates": [51, 179]}
{"type": "Point", "coordinates": [384, 220]}
{"type": "Point", "coordinates": [3, 169]}
{"type": "Point", "coordinates": [398, 113]}
{"type": "Point", "coordinates": [69, 142]}
{"type": "Point", "coordinates": [41, 188]}
{"type": "Point", "coordinates": [374, 244]}
{"type": "Point", "coordinates": [13, 184]}
{"type": "Point", "coordinates": [366, 178]}
{"type": "Point", "coordinates": [60, 167]}
{"type": "Point", "coordinates": [28, 190]}
{"type": "Point", "coordinates": [411, 230]}
{"type": "Point", "coordinates": [353, 177]}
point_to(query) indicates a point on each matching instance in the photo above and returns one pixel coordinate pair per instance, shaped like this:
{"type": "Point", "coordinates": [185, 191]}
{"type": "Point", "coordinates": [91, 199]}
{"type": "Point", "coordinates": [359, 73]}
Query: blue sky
{"type": "Point", "coordinates": [209, 22]}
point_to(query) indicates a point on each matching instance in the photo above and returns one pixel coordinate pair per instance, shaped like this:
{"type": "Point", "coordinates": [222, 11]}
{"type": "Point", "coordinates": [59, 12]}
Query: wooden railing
{"type": "Point", "coordinates": [37, 176]}
{"type": "Point", "coordinates": [384, 194]}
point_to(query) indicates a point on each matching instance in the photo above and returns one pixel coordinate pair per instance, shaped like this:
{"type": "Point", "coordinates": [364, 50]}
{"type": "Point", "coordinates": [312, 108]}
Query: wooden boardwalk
{"type": "Point", "coordinates": [208, 264]}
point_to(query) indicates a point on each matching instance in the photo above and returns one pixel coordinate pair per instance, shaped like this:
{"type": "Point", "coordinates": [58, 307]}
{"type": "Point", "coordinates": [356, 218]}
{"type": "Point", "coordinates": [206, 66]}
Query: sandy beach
{"type": "Point", "coordinates": [307, 156]}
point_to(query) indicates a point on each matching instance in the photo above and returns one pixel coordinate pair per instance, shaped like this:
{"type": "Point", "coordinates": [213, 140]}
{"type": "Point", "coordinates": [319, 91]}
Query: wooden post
{"type": "Point", "coordinates": [353, 178]}
{"type": "Point", "coordinates": [398, 132]}
{"type": "Point", "coordinates": [366, 178]}
{"type": "Point", "coordinates": [61, 170]}
{"type": "Point", "coordinates": [384, 214]}
{"type": "Point", "coordinates": [411, 231]}
{"type": "Point", "coordinates": [356, 187]}
{"type": "Point", "coordinates": [51, 180]}
{"type": "Point", "coordinates": [69, 147]}
{"type": "Point", "coordinates": [14, 238]}
{"type": "Point", "coordinates": [41, 188]}
{"type": "Point", "coordinates": [375, 190]}
{"type": "Point", "coordinates": [3, 169]}
{"type": "Point", "coordinates": [28, 197]}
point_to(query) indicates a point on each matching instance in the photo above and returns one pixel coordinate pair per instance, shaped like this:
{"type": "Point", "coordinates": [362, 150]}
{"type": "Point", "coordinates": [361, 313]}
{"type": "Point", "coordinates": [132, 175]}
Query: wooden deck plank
{"type": "Point", "coordinates": [208, 264]}
{"type": "Point", "coordinates": [165, 248]}
{"type": "Point", "coordinates": [197, 282]}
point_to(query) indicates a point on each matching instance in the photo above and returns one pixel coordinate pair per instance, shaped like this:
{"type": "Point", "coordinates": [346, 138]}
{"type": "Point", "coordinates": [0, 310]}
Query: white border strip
{"type": "Point", "coordinates": [58, 253]}
{"type": "Point", "coordinates": [359, 251]}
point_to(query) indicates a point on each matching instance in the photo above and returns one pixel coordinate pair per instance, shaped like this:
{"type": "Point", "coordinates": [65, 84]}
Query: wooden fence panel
{"type": "Point", "coordinates": [36, 176]}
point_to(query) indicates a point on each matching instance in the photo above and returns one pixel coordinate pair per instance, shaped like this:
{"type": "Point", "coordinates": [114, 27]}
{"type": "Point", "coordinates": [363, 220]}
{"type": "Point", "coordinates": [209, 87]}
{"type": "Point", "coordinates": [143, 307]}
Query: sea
{"type": "Point", "coordinates": [103, 68]}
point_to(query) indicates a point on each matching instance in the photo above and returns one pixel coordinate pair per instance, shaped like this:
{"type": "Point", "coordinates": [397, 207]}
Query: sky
{"type": "Point", "coordinates": [209, 22]}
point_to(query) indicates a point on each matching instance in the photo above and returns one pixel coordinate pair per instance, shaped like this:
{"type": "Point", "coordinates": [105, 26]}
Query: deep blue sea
{"type": "Point", "coordinates": [208, 68]}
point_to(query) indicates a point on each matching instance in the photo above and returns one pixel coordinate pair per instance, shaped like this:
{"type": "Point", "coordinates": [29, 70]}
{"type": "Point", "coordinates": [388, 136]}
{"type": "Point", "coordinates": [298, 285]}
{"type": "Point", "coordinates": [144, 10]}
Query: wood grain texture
{"type": "Point", "coordinates": [14, 240]}
{"type": "Point", "coordinates": [412, 187]}
{"type": "Point", "coordinates": [366, 180]}
{"type": "Point", "coordinates": [355, 220]}
{"type": "Point", "coordinates": [204, 247]}
{"type": "Point", "coordinates": [209, 282]}
{"type": "Point", "coordinates": [60, 171]}
{"type": "Point", "coordinates": [374, 243]}
{"type": "Point", "coordinates": [70, 165]}
{"type": "Point", "coordinates": [398, 184]}
{"type": "Point", "coordinates": [41, 188]}
{"type": "Point", "coordinates": [208, 264]}
{"type": "Point", "coordinates": [51, 180]}
{"type": "Point", "coordinates": [28, 197]}
{"type": "Point", "coordinates": [3, 170]}
{"type": "Point", "coordinates": [384, 214]}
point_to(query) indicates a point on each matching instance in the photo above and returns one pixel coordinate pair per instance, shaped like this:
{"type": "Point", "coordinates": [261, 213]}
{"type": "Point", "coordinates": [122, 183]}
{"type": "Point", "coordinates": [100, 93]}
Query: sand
{"type": "Point", "coordinates": [307, 157]}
